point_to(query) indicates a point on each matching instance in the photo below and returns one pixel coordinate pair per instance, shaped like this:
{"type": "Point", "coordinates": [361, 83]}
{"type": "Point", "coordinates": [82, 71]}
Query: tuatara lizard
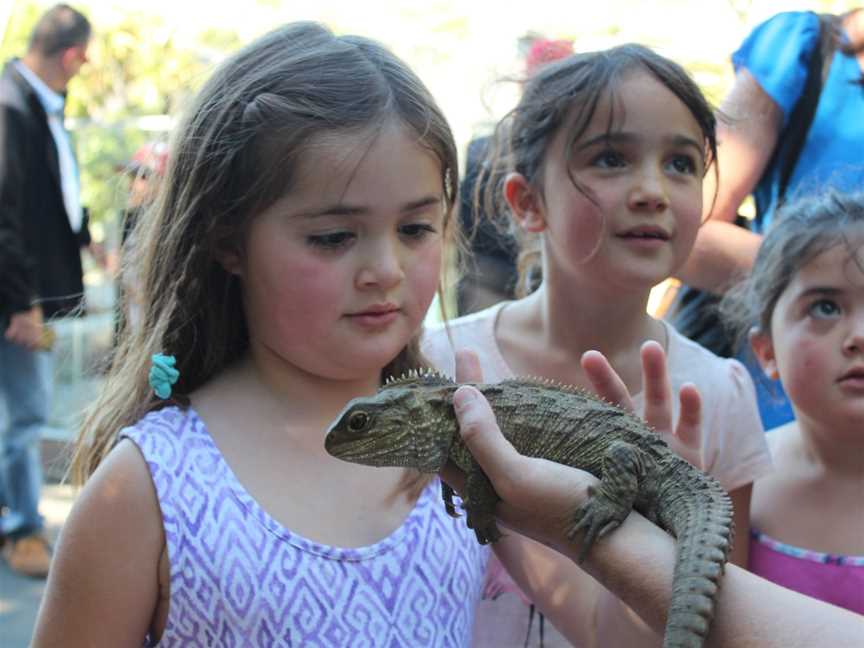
{"type": "Point", "coordinates": [410, 423]}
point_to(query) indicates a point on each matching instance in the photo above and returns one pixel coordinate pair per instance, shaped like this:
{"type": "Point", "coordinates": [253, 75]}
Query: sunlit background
{"type": "Point", "coordinates": [148, 57]}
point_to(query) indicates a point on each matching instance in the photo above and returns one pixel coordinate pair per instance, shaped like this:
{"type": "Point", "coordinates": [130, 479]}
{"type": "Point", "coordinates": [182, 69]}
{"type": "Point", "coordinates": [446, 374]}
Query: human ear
{"type": "Point", "coordinates": [230, 258]}
{"type": "Point", "coordinates": [71, 56]}
{"type": "Point", "coordinates": [763, 349]}
{"type": "Point", "coordinates": [524, 203]}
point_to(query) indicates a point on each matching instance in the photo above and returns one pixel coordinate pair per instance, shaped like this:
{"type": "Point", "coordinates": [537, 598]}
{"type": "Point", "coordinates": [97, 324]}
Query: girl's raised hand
{"type": "Point", "coordinates": [685, 437]}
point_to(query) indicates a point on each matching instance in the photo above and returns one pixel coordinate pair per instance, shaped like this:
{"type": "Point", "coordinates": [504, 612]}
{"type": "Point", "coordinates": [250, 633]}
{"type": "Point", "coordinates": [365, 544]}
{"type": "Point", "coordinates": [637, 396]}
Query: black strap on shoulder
{"type": "Point", "coordinates": [802, 116]}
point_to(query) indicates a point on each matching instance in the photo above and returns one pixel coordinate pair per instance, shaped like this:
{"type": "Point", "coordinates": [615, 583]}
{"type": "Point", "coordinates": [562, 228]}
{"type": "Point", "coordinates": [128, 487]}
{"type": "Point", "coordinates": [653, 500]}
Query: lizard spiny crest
{"type": "Point", "coordinates": [422, 376]}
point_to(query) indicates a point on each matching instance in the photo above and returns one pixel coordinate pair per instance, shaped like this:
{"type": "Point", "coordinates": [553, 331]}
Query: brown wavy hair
{"type": "Point", "coordinates": [565, 94]}
{"type": "Point", "coordinates": [801, 231]}
{"type": "Point", "coordinates": [234, 154]}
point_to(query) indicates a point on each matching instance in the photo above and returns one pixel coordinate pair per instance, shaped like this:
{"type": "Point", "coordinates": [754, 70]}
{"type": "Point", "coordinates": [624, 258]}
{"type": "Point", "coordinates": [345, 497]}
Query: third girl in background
{"type": "Point", "coordinates": [805, 299]}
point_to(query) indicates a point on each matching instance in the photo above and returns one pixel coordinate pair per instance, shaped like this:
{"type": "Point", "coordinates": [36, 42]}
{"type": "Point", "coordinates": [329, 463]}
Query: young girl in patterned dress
{"type": "Point", "coordinates": [288, 263]}
{"type": "Point", "coordinates": [805, 298]}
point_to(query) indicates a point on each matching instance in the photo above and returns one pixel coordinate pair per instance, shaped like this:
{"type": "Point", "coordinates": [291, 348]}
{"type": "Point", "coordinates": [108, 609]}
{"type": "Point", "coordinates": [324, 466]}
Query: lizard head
{"type": "Point", "coordinates": [408, 423]}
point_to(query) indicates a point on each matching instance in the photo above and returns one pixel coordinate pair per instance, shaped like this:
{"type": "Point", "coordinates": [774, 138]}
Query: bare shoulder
{"type": "Point", "coordinates": [103, 586]}
{"type": "Point", "coordinates": [120, 493]}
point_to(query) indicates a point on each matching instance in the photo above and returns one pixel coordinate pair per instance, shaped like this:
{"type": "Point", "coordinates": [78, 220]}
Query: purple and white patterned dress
{"type": "Point", "coordinates": [238, 578]}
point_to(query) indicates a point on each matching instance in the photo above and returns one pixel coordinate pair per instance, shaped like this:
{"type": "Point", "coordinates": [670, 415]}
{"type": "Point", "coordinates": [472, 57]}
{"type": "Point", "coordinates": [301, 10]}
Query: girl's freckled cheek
{"type": "Point", "coordinates": [308, 268]}
{"type": "Point", "coordinates": [805, 360]}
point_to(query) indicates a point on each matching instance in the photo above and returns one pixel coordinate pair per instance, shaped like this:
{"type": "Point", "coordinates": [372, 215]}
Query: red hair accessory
{"type": "Point", "coordinates": [544, 50]}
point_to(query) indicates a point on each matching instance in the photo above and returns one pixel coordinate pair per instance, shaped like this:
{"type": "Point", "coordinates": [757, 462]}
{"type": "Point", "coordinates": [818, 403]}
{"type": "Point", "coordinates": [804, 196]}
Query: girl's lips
{"type": "Point", "coordinates": [646, 242]}
{"type": "Point", "coordinates": [647, 237]}
{"type": "Point", "coordinates": [375, 318]}
{"type": "Point", "coordinates": [853, 379]}
{"type": "Point", "coordinates": [645, 232]}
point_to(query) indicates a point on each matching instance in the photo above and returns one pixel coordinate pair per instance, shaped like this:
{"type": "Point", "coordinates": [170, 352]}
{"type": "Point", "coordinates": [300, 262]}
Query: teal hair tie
{"type": "Point", "coordinates": [163, 374]}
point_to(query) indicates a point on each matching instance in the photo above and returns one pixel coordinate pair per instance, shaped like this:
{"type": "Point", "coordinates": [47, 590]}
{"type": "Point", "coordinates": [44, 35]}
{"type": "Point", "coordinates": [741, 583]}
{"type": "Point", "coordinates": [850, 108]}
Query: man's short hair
{"type": "Point", "coordinates": [59, 28]}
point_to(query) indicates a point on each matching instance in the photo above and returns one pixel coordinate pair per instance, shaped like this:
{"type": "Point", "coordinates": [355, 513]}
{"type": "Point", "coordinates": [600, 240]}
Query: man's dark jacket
{"type": "Point", "coordinates": [40, 255]}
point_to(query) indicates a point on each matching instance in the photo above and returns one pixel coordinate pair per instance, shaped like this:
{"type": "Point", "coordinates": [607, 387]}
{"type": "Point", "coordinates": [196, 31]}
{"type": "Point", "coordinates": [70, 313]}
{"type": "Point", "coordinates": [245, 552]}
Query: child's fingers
{"type": "Point", "coordinates": [689, 428]}
{"type": "Point", "coordinates": [656, 386]}
{"type": "Point", "coordinates": [483, 438]}
{"type": "Point", "coordinates": [468, 367]}
{"type": "Point", "coordinates": [605, 382]}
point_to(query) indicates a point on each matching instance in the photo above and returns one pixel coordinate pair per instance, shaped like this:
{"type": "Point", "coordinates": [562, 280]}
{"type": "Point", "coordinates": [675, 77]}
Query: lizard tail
{"type": "Point", "coordinates": [702, 525]}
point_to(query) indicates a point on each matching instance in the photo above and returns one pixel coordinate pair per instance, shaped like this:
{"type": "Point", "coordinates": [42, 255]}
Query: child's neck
{"type": "Point", "coordinates": [286, 392]}
{"type": "Point", "coordinates": [838, 453]}
{"type": "Point", "coordinates": [575, 320]}
{"type": "Point", "coordinates": [546, 334]}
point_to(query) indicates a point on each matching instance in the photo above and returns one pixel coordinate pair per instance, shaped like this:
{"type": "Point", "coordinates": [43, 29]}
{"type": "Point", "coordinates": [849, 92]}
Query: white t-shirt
{"type": "Point", "coordinates": [734, 450]}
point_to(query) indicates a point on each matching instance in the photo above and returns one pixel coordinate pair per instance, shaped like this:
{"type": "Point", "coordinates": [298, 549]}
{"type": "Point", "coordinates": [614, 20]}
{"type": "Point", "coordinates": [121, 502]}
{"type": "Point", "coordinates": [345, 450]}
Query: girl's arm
{"type": "Point", "coordinates": [103, 586]}
{"type": "Point", "coordinates": [748, 127]}
{"type": "Point", "coordinates": [636, 561]}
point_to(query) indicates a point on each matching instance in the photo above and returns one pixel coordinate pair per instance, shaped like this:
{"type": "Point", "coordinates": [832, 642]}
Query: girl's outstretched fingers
{"type": "Point", "coordinates": [605, 381]}
{"type": "Point", "coordinates": [689, 428]}
{"type": "Point", "coordinates": [656, 386]}
{"type": "Point", "coordinates": [684, 436]}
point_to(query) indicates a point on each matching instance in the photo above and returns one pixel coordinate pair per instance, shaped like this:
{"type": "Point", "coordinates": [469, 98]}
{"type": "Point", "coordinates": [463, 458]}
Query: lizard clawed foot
{"type": "Point", "coordinates": [447, 495]}
{"type": "Point", "coordinates": [484, 525]}
{"type": "Point", "coordinates": [594, 519]}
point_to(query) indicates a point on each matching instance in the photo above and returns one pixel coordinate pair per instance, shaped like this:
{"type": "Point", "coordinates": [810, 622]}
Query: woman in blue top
{"type": "Point", "coordinates": [771, 70]}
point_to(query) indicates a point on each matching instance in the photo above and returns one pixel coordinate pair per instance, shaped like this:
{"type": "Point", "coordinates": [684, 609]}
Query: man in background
{"type": "Point", "coordinates": [42, 230]}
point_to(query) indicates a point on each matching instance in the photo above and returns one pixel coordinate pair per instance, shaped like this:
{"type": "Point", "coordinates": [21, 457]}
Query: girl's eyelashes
{"type": "Point", "coordinates": [684, 164]}
{"type": "Point", "coordinates": [680, 163]}
{"type": "Point", "coordinates": [413, 232]}
{"type": "Point", "coordinates": [608, 159]}
{"type": "Point", "coordinates": [824, 308]}
{"type": "Point", "coordinates": [330, 240]}
{"type": "Point", "coordinates": [417, 231]}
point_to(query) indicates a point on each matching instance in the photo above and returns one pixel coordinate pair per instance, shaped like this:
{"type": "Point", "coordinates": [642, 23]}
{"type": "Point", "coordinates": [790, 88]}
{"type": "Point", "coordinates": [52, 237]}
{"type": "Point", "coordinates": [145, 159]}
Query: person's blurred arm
{"type": "Point", "coordinates": [748, 126]}
{"type": "Point", "coordinates": [637, 560]}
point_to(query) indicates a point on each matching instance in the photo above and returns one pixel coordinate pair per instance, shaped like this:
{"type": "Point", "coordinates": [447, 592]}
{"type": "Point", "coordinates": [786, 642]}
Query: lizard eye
{"type": "Point", "coordinates": [358, 421]}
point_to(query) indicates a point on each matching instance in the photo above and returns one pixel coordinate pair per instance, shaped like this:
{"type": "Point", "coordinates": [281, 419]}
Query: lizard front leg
{"type": "Point", "coordinates": [480, 501]}
{"type": "Point", "coordinates": [624, 467]}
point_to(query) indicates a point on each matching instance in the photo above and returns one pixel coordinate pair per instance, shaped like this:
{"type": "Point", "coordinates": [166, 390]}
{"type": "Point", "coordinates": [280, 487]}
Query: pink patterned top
{"type": "Point", "coordinates": [828, 577]}
{"type": "Point", "coordinates": [238, 578]}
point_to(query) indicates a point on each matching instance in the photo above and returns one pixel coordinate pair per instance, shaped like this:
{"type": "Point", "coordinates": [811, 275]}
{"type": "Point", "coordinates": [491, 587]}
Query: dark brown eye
{"type": "Point", "coordinates": [358, 421]}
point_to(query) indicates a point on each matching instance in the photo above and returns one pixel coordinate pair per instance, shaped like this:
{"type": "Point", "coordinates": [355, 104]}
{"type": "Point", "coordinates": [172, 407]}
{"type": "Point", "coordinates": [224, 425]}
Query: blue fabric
{"type": "Point", "coordinates": [775, 409]}
{"type": "Point", "coordinates": [26, 379]}
{"type": "Point", "coordinates": [776, 53]}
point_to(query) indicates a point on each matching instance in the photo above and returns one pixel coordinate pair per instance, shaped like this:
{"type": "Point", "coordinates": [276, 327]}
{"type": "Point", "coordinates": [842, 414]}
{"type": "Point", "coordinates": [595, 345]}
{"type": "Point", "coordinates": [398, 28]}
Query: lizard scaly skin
{"type": "Point", "coordinates": [410, 422]}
